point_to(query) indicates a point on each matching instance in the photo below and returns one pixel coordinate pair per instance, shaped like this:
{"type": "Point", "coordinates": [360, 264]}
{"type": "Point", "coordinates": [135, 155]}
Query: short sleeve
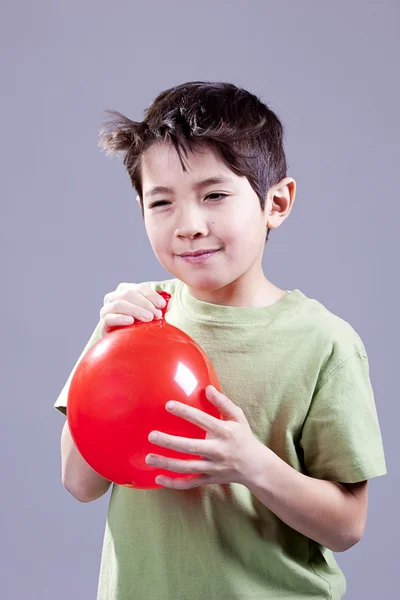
{"type": "Point", "coordinates": [341, 437]}
{"type": "Point", "coordinates": [61, 402]}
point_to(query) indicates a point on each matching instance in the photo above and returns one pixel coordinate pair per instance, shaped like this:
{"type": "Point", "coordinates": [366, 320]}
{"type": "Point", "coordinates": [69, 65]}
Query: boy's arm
{"type": "Point", "coordinates": [78, 477]}
{"type": "Point", "coordinates": [330, 513]}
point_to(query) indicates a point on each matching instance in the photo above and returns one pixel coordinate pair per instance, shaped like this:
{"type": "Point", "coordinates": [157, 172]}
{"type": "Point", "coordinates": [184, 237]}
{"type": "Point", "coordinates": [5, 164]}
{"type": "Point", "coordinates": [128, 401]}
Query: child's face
{"type": "Point", "coordinates": [219, 216]}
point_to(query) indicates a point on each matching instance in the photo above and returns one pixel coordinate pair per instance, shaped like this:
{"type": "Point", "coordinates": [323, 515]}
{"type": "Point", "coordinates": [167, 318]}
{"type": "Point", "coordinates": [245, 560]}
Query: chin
{"type": "Point", "coordinates": [201, 279]}
{"type": "Point", "coordinates": [204, 282]}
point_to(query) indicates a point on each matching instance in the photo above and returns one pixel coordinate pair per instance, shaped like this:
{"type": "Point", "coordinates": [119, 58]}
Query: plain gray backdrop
{"type": "Point", "coordinates": [71, 229]}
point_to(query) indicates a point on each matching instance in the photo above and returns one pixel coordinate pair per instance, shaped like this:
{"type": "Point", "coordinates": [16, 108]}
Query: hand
{"type": "Point", "coordinates": [230, 449]}
{"type": "Point", "coordinates": [128, 302]}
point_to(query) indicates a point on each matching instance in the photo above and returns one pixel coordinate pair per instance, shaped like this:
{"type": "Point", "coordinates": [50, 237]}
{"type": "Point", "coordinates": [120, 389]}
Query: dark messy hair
{"type": "Point", "coordinates": [232, 121]}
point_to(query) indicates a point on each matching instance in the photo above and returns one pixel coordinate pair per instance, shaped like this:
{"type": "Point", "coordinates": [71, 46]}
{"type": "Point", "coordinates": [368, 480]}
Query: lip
{"type": "Point", "coordinates": [199, 252]}
{"type": "Point", "coordinates": [199, 256]}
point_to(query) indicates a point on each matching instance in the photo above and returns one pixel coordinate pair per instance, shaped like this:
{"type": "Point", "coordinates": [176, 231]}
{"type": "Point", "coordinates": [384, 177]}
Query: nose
{"type": "Point", "coordinates": [191, 223]}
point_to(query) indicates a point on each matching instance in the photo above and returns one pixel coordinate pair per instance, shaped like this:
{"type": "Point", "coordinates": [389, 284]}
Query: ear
{"type": "Point", "coordinates": [138, 200]}
{"type": "Point", "coordinates": [279, 202]}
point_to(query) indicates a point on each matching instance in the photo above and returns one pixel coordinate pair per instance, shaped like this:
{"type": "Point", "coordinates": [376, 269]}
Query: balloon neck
{"type": "Point", "coordinates": [167, 298]}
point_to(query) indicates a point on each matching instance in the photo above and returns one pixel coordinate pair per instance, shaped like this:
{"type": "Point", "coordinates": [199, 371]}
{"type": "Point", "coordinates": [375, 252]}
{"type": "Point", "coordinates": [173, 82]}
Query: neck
{"type": "Point", "coordinates": [242, 293]}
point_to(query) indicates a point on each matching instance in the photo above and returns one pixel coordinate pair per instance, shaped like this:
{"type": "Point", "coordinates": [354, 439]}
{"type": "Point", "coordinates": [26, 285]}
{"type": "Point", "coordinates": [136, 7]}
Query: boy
{"type": "Point", "coordinates": [284, 483]}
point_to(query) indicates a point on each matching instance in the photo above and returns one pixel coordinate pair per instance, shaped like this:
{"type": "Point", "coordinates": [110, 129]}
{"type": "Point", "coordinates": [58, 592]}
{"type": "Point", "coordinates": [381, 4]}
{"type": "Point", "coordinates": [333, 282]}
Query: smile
{"type": "Point", "coordinates": [200, 258]}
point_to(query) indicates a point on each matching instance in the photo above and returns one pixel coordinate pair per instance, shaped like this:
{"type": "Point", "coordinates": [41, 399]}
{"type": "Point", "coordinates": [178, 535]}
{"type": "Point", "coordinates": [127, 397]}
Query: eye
{"type": "Point", "coordinates": [216, 194]}
{"type": "Point", "coordinates": [159, 203]}
{"type": "Point", "coordinates": [163, 202]}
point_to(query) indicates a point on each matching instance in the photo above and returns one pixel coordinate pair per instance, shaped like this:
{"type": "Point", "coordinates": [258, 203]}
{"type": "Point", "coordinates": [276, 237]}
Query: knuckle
{"type": "Point", "coordinates": [112, 307]}
{"type": "Point", "coordinates": [220, 455]}
{"type": "Point", "coordinates": [167, 442]}
{"type": "Point", "coordinates": [116, 307]}
{"type": "Point", "coordinates": [127, 287]}
{"type": "Point", "coordinates": [125, 294]}
{"type": "Point", "coordinates": [145, 289]}
{"type": "Point", "coordinates": [228, 433]}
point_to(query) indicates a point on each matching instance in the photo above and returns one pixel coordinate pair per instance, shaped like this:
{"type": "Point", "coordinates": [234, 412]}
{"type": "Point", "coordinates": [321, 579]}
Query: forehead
{"type": "Point", "coordinates": [160, 165]}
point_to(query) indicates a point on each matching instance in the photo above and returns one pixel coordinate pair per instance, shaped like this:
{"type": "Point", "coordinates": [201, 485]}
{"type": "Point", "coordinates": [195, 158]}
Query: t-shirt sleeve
{"type": "Point", "coordinates": [61, 402]}
{"type": "Point", "coordinates": [341, 437]}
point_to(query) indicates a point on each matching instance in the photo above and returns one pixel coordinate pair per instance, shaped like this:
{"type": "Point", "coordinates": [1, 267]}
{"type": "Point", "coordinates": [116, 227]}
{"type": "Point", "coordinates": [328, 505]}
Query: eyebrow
{"type": "Point", "coordinates": [161, 189]}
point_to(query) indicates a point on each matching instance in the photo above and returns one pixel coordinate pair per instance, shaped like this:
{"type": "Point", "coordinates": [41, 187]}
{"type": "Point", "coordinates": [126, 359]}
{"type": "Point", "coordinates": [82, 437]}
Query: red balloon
{"type": "Point", "coordinates": [118, 394]}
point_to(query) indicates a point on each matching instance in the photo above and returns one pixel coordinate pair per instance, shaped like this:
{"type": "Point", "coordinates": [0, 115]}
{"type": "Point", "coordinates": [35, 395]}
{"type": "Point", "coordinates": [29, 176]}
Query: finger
{"type": "Point", "coordinates": [196, 416]}
{"type": "Point", "coordinates": [228, 409]}
{"type": "Point", "coordinates": [135, 298]}
{"type": "Point", "coordinates": [157, 299]}
{"type": "Point", "coordinates": [145, 290]}
{"type": "Point", "coordinates": [205, 448]}
{"type": "Point", "coordinates": [111, 296]}
{"type": "Point", "coordinates": [182, 483]}
{"type": "Point", "coordinates": [123, 307]}
{"type": "Point", "coordinates": [177, 465]}
{"type": "Point", "coordinates": [115, 320]}
{"type": "Point", "coordinates": [131, 297]}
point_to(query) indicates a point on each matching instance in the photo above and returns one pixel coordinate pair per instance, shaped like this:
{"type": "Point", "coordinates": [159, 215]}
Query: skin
{"type": "Point", "coordinates": [228, 216]}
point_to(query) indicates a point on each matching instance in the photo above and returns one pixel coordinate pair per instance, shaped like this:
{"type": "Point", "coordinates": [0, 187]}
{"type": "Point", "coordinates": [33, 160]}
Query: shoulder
{"type": "Point", "coordinates": [330, 338]}
{"type": "Point", "coordinates": [330, 326]}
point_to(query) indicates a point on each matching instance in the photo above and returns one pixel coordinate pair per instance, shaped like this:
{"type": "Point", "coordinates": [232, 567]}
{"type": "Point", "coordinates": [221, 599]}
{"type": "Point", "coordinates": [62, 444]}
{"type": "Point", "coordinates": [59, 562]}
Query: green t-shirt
{"type": "Point", "coordinates": [301, 375]}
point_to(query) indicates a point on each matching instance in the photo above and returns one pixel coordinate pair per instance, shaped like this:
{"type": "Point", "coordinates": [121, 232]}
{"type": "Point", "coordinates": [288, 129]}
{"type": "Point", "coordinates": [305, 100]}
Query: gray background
{"type": "Point", "coordinates": [71, 229]}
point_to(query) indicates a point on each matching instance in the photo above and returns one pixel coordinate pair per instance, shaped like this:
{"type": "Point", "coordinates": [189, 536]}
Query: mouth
{"type": "Point", "coordinates": [200, 252]}
{"type": "Point", "coordinates": [199, 256]}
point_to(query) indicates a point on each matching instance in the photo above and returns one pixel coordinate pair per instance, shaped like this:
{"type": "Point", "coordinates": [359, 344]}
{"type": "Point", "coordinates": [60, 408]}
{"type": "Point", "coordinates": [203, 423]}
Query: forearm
{"type": "Point", "coordinates": [324, 511]}
{"type": "Point", "coordinates": [77, 476]}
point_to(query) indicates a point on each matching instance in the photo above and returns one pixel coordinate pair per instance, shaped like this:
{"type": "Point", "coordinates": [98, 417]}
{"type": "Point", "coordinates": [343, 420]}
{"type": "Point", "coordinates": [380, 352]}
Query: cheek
{"type": "Point", "coordinates": [244, 239]}
{"type": "Point", "coordinates": [240, 229]}
{"type": "Point", "coordinates": [158, 246]}
{"type": "Point", "coordinates": [153, 236]}
{"type": "Point", "coordinates": [160, 241]}
{"type": "Point", "coordinates": [229, 226]}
